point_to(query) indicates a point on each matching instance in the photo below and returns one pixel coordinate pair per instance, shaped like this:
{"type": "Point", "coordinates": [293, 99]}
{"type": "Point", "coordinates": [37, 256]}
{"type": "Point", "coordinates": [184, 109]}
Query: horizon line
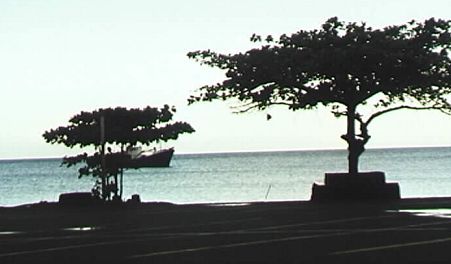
{"type": "Point", "coordinates": [251, 151]}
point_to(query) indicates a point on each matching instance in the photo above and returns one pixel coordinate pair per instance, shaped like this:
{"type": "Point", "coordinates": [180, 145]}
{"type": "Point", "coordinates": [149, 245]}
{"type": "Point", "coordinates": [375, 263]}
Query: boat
{"type": "Point", "coordinates": [145, 159]}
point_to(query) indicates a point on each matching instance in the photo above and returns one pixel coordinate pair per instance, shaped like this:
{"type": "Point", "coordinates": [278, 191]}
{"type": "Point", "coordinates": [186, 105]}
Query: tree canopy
{"type": "Point", "coordinates": [122, 128]}
{"type": "Point", "coordinates": [341, 66]}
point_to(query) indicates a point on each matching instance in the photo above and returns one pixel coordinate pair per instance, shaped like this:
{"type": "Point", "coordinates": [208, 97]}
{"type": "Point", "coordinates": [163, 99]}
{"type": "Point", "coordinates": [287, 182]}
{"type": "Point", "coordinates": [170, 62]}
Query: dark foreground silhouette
{"type": "Point", "coordinates": [273, 232]}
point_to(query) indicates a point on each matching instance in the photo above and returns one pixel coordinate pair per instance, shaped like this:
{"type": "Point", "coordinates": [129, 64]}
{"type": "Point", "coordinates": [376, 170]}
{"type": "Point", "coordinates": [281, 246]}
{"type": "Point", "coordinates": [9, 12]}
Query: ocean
{"type": "Point", "coordinates": [233, 177]}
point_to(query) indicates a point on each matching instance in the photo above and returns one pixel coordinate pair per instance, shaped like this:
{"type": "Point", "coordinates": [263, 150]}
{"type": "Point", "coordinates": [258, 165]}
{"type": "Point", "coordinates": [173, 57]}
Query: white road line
{"type": "Point", "coordinates": [341, 220]}
{"type": "Point", "coordinates": [393, 246]}
{"type": "Point", "coordinates": [240, 244]}
{"type": "Point", "coordinates": [332, 232]}
{"type": "Point", "coordinates": [221, 222]}
{"type": "Point", "coordinates": [54, 249]}
{"type": "Point", "coordinates": [292, 238]}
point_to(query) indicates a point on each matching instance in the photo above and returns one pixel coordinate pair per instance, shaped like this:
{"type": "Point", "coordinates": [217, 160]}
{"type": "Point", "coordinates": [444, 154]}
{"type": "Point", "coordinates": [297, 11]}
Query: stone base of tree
{"type": "Point", "coordinates": [355, 187]}
{"type": "Point", "coordinates": [77, 199]}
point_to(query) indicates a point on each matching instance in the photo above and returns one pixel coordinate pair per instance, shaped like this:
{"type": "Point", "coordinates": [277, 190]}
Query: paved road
{"type": "Point", "coordinates": [288, 232]}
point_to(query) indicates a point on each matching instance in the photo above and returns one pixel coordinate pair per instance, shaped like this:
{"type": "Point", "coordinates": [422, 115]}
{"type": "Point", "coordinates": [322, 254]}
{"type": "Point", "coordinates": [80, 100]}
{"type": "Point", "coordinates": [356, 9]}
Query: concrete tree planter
{"type": "Point", "coordinates": [78, 199]}
{"type": "Point", "coordinates": [355, 187]}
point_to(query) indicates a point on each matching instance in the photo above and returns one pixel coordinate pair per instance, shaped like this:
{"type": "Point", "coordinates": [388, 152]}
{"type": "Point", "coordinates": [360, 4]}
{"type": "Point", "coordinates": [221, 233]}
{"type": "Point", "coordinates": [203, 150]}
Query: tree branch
{"type": "Point", "coordinates": [434, 107]}
{"type": "Point", "coordinates": [250, 106]}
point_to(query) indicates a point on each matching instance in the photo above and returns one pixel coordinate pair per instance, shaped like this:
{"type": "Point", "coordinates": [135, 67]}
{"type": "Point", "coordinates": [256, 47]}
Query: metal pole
{"type": "Point", "coordinates": [267, 192]}
{"type": "Point", "coordinates": [102, 156]}
{"type": "Point", "coordinates": [122, 173]}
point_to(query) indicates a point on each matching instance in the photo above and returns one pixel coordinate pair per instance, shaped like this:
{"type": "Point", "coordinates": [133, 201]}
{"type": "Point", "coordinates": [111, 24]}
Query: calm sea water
{"type": "Point", "coordinates": [233, 177]}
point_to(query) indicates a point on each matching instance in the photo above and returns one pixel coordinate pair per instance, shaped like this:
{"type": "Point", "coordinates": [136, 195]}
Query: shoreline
{"type": "Point", "coordinates": [433, 201]}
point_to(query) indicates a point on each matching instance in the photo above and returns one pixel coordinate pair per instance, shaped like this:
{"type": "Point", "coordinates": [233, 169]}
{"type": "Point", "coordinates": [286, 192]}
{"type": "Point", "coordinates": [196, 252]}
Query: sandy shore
{"type": "Point", "coordinates": [272, 232]}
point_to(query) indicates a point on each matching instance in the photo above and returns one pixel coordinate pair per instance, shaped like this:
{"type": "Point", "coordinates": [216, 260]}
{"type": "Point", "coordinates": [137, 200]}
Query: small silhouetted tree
{"type": "Point", "coordinates": [122, 128]}
{"type": "Point", "coordinates": [342, 66]}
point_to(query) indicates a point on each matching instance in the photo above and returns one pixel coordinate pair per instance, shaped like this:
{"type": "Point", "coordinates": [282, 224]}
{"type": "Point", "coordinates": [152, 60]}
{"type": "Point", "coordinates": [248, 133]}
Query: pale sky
{"type": "Point", "coordinates": [58, 58]}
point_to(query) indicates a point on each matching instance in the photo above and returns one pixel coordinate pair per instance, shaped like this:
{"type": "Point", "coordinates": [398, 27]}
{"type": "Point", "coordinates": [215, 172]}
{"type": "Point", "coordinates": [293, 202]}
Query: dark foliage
{"type": "Point", "coordinates": [122, 127]}
{"type": "Point", "coordinates": [341, 66]}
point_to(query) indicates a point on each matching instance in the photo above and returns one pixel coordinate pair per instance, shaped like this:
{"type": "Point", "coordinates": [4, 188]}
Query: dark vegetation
{"type": "Point", "coordinates": [350, 68]}
{"type": "Point", "coordinates": [122, 128]}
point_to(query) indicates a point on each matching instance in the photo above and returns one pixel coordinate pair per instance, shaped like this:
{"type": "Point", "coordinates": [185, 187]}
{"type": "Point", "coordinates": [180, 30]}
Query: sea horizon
{"type": "Point", "coordinates": [251, 151]}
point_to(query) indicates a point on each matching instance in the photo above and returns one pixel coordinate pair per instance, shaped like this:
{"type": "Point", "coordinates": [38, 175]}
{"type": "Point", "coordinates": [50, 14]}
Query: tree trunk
{"type": "Point", "coordinates": [122, 174]}
{"type": "Point", "coordinates": [103, 175]}
{"type": "Point", "coordinates": [353, 142]}
{"type": "Point", "coordinates": [103, 172]}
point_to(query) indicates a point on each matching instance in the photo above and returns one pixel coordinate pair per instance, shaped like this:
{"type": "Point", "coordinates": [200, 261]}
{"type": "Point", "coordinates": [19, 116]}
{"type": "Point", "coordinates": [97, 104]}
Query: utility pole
{"type": "Point", "coordinates": [102, 157]}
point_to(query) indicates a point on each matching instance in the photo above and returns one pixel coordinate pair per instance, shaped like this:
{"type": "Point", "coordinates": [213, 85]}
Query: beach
{"type": "Point", "coordinates": [264, 232]}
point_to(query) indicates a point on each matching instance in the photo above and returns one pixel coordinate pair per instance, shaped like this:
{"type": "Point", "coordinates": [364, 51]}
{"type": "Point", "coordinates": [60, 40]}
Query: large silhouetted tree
{"type": "Point", "coordinates": [343, 66]}
{"type": "Point", "coordinates": [122, 128]}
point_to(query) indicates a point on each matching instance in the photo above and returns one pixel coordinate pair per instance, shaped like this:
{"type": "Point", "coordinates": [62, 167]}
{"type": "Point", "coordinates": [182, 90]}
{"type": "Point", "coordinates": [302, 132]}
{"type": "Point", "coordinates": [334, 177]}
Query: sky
{"type": "Point", "coordinates": [58, 58]}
